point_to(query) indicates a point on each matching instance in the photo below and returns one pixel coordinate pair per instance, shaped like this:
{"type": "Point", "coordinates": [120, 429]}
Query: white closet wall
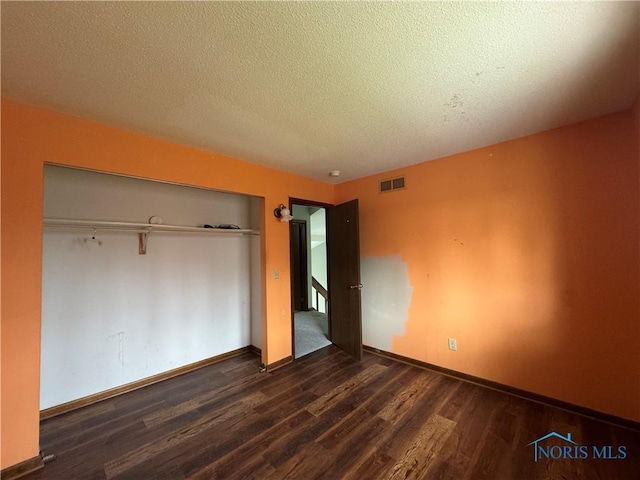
{"type": "Point", "coordinates": [319, 247]}
{"type": "Point", "coordinates": [111, 316]}
{"type": "Point", "coordinates": [257, 207]}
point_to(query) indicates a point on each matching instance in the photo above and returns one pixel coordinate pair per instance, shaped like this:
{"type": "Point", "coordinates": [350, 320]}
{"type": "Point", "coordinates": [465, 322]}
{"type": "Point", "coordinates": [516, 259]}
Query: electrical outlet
{"type": "Point", "coordinates": [453, 344]}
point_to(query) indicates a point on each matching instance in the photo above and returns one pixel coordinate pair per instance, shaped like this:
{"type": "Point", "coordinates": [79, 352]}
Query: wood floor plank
{"type": "Point", "coordinates": [402, 377]}
{"type": "Point", "coordinates": [255, 468]}
{"type": "Point", "coordinates": [227, 465]}
{"type": "Point", "coordinates": [247, 364]}
{"type": "Point", "coordinates": [405, 399]}
{"type": "Point", "coordinates": [475, 468]}
{"type": "Point", "coordinates": [133, 458]}
{"type": "Point", "coordinates": [405, 429]}
{"type": "Point", "coordinates": [201, 450]}
{"type": "Point", "coordinates": [328, 366]}
{"type": "Point", "coordinates": [392, 442]}
{"type": "Point", "coordinates": [488, 458]}
{"type": "Point", "coordinates": [367, 400]}
{"type": "Point", "coordinates": [125, 411]}
{"type": "Point", "coordinates": [323, 416]}
{"type": "Point", "coordinates": [338, 433]}
{"type": "Point", "coordinates": [280, 449]}
{"type": "Point", "coordinates": [225, 393]}
{"type": "Point", "coordinates": [309, 464]}
{"type": "Point", "coordinates": [295, 386]}
{"type": "Point", "coordinates": [371, 466]}
{"type": "Point", "coordinates": [322, 404]}
{"type": "Point", "coordinates": [417, 457]}
{"type": "Point", "coordinates": [348, 452]}
{"type": "Point", "coordinates": [339, 376]}
{"type": "Point", "coordinates": [350, 437]}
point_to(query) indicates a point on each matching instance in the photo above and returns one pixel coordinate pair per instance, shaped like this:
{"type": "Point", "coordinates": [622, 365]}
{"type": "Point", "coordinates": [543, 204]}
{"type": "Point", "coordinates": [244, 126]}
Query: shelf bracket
{"type": "Point", "coordinates": [142, 243]}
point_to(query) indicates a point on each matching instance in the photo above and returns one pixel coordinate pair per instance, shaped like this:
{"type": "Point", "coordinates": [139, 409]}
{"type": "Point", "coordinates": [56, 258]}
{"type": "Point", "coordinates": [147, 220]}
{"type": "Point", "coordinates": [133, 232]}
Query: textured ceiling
{"type": "Point", "coordinates": [312, 87]}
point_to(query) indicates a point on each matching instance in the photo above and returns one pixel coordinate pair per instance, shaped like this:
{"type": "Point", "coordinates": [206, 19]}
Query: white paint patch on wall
{"type": "Point", "coordinates": [386, 298]}
{"type": "Point", "coordinates": [111, 316]}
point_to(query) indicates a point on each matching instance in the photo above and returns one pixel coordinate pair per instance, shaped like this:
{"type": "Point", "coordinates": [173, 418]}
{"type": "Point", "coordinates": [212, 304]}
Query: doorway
{"type": "Point", "coordinates": [309, 287]}
{"type": "Point", "coordinates": [300, 265]}
{"type": "Point", "coordinates": [332, 293]}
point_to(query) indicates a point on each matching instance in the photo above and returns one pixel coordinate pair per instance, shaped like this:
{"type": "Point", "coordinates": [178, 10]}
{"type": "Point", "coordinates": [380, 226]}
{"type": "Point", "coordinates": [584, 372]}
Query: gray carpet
{"type": "Point", "coordinates": [312, 332]}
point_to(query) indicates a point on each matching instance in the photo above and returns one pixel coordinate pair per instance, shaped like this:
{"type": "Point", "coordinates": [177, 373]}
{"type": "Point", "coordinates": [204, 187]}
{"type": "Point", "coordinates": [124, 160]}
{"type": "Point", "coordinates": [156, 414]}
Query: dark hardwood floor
{"type": "Point", "coordinates": [324, 416]}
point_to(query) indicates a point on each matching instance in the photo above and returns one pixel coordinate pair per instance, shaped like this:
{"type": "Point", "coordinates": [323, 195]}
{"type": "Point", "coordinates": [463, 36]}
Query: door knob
{"type": "Point", "coordinates": [359, 286]}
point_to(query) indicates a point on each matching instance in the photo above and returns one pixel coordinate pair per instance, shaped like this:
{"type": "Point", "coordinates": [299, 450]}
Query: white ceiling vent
{"type": "Point", "coordinates": [391, 185]}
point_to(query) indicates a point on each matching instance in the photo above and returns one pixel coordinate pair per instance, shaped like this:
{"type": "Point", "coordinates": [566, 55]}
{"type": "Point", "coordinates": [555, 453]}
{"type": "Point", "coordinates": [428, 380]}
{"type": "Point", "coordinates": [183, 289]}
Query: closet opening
{"type": "Point", "coordinates": [115, 314]}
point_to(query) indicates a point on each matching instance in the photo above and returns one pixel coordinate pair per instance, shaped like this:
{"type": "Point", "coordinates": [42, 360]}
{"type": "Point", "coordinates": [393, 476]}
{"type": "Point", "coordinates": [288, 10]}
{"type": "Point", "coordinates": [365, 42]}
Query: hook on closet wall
{"type": "Point", "coordinates": [93, 238]}
{"type": "Point", "coordinates": [142, 243]}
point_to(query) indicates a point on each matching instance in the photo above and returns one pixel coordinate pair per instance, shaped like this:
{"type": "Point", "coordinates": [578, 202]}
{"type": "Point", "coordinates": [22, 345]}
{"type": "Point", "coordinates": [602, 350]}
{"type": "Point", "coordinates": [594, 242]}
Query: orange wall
{"type": "Point", "coordinates": [32, 136]}
{"type": "Point", "coordinates": [527, 253]}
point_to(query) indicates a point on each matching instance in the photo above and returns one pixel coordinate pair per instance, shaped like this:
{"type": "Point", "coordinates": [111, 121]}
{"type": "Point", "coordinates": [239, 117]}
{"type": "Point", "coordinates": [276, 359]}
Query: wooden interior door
{"type": "Point", "coordinates": [343, 259]}
{"type": "Point", "coordinates": [299, 271]}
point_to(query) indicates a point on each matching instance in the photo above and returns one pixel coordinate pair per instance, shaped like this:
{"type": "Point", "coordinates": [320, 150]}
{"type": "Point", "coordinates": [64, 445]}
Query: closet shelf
{"type": "Point", "coordinates": [141, 227]}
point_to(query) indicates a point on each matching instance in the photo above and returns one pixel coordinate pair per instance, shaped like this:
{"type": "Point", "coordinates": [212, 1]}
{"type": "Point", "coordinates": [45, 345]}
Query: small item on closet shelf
{"type": "Point", "coordinates": [155, 220]}
{"type": "Point", "coordinates": [226, 226]}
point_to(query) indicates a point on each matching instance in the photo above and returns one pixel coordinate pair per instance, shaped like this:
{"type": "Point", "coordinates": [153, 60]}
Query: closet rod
{"type": "Point", "coordinates": [140, 227]}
